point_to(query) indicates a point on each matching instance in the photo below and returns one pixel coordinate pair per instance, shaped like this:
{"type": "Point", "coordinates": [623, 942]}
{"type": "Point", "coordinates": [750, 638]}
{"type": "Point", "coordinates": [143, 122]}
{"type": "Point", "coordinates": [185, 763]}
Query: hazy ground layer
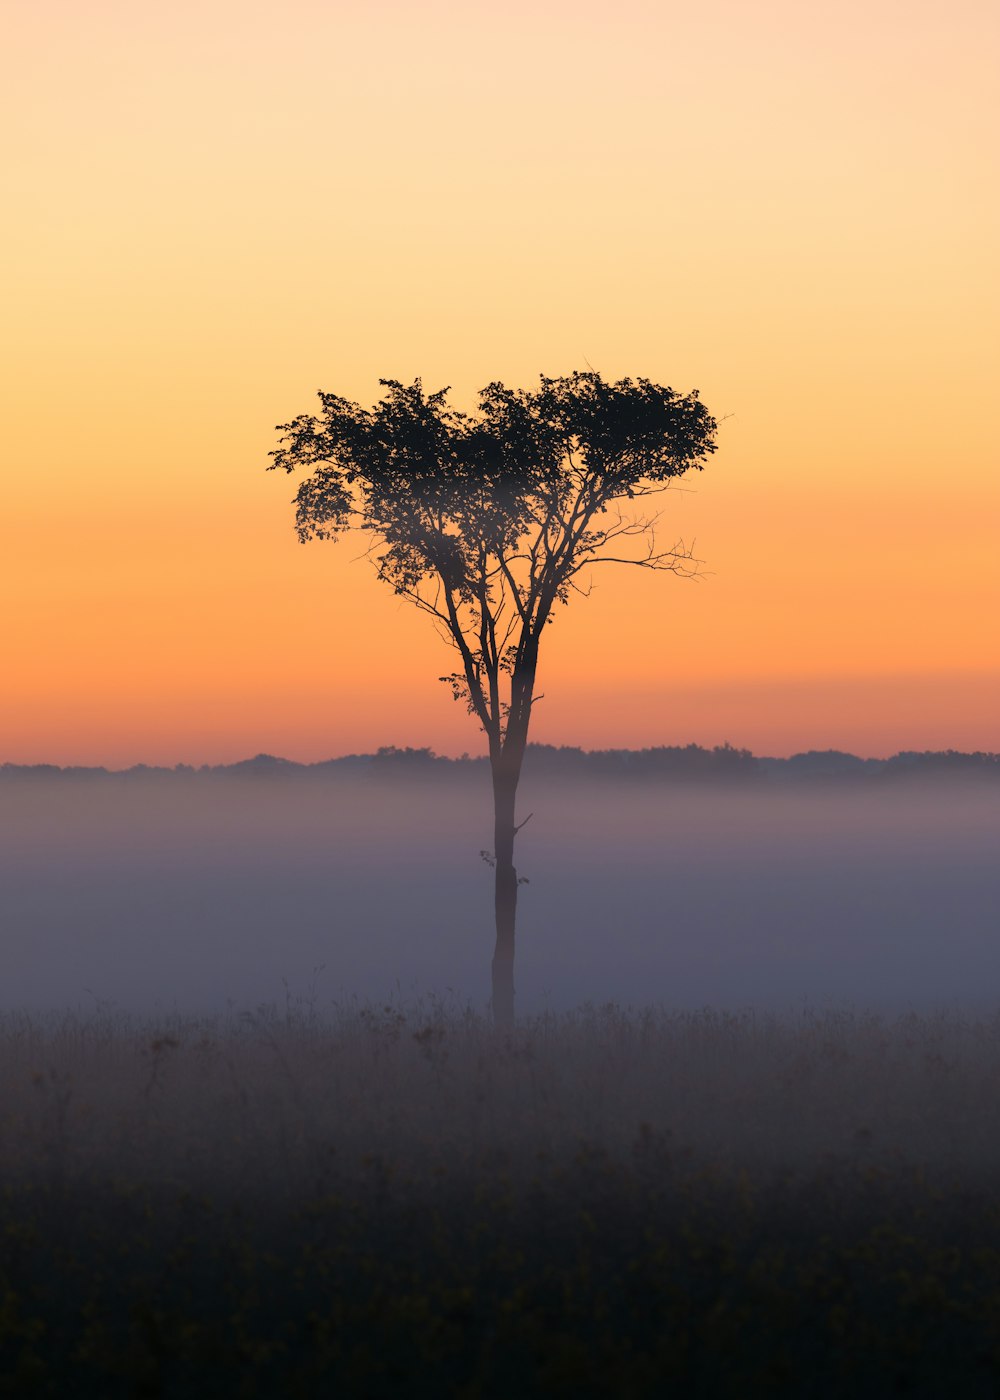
{"type": "Point", "coordinates": [192, 891]}
{"type": "Point", "coordinates": [389, 1199]}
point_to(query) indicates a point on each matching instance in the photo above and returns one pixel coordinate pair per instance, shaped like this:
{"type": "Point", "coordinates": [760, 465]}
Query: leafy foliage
{"type": "Point", "coordinates": [485, 521]}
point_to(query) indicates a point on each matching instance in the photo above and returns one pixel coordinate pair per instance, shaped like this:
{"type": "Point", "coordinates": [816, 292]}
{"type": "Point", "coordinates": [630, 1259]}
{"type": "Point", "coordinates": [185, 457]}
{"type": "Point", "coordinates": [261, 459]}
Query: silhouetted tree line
{"type": "Point", "coordinates": [688, 762]}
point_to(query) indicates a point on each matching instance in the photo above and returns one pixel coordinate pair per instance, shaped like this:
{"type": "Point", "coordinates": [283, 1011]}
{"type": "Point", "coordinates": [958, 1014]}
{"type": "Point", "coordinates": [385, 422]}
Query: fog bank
{"type": "Point", "coordinates": [199, 893]}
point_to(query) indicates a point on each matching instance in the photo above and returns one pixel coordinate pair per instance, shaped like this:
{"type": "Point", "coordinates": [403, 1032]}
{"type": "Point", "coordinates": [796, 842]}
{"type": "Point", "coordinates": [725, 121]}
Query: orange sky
{"type": "Point", "coordinates": [221, 208]}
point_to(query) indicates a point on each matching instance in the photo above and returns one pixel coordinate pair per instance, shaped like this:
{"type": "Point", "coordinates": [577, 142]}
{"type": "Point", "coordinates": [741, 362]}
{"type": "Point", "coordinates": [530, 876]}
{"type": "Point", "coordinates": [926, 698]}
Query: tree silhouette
{"type": "Point", "coordinates": [485, 523]}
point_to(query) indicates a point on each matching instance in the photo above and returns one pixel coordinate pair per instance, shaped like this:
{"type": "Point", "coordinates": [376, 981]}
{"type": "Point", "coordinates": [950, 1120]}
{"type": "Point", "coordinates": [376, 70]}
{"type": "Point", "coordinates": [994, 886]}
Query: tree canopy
{"type": "Point", "coordinates": [485, 521]}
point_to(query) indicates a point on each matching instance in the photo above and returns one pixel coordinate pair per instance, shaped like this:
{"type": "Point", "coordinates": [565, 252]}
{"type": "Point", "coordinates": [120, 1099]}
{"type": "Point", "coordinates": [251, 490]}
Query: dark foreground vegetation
{"type": "Point", "coordinates": [389, 1201]}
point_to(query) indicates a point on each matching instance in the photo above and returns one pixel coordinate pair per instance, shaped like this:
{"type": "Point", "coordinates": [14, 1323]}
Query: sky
{"type": "Point", "coordinates": [219, 209]}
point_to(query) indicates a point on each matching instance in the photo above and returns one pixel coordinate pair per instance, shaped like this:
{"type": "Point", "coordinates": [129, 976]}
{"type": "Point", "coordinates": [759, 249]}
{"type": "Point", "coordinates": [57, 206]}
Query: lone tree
{"type": "Point", "coordinates": [486, 522]}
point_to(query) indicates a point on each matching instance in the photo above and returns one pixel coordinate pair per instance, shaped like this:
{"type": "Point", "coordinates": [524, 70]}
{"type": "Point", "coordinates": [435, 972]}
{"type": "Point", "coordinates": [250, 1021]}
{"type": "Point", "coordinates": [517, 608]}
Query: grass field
{"type": "Point", "coordinates": [388, 1200]}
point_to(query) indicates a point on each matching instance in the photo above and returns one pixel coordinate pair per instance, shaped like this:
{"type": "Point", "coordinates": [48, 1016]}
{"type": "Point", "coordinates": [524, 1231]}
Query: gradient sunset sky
{"type": "Point", "coordinates": [218, 209]}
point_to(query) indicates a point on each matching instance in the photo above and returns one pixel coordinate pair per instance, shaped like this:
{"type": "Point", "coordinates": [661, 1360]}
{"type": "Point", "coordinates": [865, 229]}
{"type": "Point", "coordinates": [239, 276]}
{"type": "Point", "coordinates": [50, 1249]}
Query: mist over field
{"type": "Point", "coordinates": [199, 892]}
{"type": "Point", "coordinates": [222, 1166]}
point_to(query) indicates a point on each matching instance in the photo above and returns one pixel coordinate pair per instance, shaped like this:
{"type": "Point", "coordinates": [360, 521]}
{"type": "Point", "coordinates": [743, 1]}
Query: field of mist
{"type": "Point", "coordinates": [258, 1135]}
{"type": "Point", "coordinates": [377, 1202]}
{"type": "Point", "coordinates": [204, 892]}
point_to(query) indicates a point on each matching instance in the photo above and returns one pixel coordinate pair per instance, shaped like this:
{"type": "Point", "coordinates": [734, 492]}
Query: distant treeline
{"type": "Point", "coordinates": [685, 763]}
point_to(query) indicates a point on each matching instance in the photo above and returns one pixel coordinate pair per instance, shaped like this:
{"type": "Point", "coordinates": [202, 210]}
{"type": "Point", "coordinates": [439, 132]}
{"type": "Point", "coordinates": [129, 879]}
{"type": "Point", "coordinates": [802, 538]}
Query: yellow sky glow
{"type": "Point", "coordinates": [221, 208]}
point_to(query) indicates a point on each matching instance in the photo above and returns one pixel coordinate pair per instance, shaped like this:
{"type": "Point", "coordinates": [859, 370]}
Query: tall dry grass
{"type": "Point", "coordinates": [391, 1200]}
{"type": "Point", "coordinates": [289, 1099]}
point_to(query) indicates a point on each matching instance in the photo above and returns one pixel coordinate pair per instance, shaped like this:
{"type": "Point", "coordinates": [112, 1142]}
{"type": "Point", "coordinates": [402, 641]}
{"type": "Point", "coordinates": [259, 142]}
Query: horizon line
{"type": "Point", "coordinates": [425, 754]}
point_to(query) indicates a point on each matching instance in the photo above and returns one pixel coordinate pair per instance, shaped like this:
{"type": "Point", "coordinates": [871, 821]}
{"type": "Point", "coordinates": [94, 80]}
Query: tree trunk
{"type": "Point", "coordinates": [505, 764]}
{"type": "Point", "coordinates": [505, 778]}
